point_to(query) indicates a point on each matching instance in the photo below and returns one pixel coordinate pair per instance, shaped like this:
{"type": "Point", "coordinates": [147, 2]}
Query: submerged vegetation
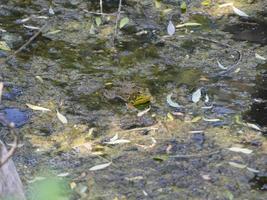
{"type": "Point", "coordinates": [153, 99]}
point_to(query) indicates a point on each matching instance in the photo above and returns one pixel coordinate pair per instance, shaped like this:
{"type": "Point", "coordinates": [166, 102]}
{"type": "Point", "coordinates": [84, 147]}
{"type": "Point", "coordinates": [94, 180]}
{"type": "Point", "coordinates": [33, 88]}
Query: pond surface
{"type": "Point", "coordinates": [174, 104]}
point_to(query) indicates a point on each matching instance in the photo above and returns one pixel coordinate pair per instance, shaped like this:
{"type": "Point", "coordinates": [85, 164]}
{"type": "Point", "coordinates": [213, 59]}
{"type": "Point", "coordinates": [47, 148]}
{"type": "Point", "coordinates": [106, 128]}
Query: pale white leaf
{"type": "Point", "coordinates": [40, 79]}
{"type": "Point", "coordinates": [253, 126]}
{"type": "Point", "coordinates": [239, 12]}
{"type": "Point", "coordinates": [141, 113]}
{"type": "Point", "coordinates": [31, 27]}
{"type": "Point", "coordinates": [260, 57]}
{"type": "Point", "coordinates": [39, 108]}
{"type": "Point", "coordinates": [115, 137]}
{"type": "Point", "coordinates": [253, 170]}
{"type": "Point", "coordinates": [41, 17]}
{"type": "Point", "coordinates": [63, 174]}
{"type": "Point", "coordinates": [62, 118]}
{"type": "Point", "coordinates": [171, 102]}
{"type": "Point", "coordinates": [188, 24]}
{"type": "Point", "coordinates": [240, 150]}
{"type": "Point", "coordinates": [101, 166]}
{"type": "Point", "coordinates": [51, 11]}
{"type": "Point", "coordinates": [211, 119]}
{"type": "Point", "coordinates": [196, 95]}
{"type": "Point", "coordinates": [38, 178]}
{"type": "Point", "coordinates": [170, 28]}
{"type": "Point", "coordinates": [221, 66]}
{"type": "Point", "coordinates": [207, 99]}
{"type": "Point", "coordinates": [25, 20]}
{"type": "Point", "coordinates": [237, 165]}
{"type": "Point", "coordinates": [225, 5]}
{"type": "Point", "coordinates": [119, 141]}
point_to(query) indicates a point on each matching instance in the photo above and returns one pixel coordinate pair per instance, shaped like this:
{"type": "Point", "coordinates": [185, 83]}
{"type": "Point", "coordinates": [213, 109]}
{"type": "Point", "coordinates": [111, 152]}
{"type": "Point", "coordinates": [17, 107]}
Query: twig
{"type": "Point", "coordinates": [101, 6]}
{"type": "Point", "coordinates": [24, 45]}
{"type": "Point", "coordinates": [99, 13]}
{"type": "Point", "coordinates": [196, 155]}
{"type": "Point", "coordinates": [230, 68]}
{"type": "Point", "coordinates": [139, 129]}
{"type": "Point", "coordinates": [1, 90]}
{"type": "Point", "coordinates": [11, 152]}
{"type": "Point", "coordinates": [117, 21]}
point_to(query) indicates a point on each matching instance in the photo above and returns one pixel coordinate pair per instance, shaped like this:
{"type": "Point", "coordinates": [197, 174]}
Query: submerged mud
{"type": "Point", "coordinates": [106, 87]}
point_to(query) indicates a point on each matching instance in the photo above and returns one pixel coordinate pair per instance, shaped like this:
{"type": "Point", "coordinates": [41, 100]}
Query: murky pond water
{"type": "Point", "coordinates": [173, 140]}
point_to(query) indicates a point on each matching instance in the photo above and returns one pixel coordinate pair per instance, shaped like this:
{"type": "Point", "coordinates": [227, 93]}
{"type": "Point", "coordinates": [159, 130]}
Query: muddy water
{"type": "Point", "coordinates": [174, 153]}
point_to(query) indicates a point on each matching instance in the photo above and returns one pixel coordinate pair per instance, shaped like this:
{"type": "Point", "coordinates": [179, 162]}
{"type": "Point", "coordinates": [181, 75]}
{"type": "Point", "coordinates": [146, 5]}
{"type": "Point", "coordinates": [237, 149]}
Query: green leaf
{"type": "Point", "coordinates": [98, 21]}
{"type": "Point", "coordinates": [123, 22]}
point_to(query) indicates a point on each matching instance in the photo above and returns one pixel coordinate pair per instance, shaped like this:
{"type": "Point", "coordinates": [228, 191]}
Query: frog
{"type": "Point", "coordinates": [128, 92]}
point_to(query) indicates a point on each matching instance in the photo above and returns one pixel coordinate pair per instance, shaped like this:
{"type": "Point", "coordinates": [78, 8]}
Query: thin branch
{"type": "Point", "coordinates": [195, 155]}
{"type": "Point", "coordinates": [117, 21]}
{"type": "Point", "coordinates": [101, 6]}
{"type": "Point", "coordinates": [1, 90]}
{"type": "Point", "coordinates": [11, 152]}
{"type": "Point", "coordinates": [99, 13]}
{"type": "Point", "coordinates": [24, 45]}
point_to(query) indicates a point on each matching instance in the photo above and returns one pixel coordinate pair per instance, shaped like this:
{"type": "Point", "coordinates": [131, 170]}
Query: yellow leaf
{"type": "Point", "coordinates": [4, 46]}
{"type": "Point", "coordinates": [170, 116]}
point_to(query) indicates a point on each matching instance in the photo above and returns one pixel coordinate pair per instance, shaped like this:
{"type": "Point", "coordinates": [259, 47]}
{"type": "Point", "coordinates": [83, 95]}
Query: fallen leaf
{"type": "Point", "coordinates": [225, 5]}
{"type": "Point", "coordinates": [101, 166]}
{"type": "Point", "coordinates": [237, 165]}
{"type": "Point", "coordinates": [51, 11]}
{"type": "Point", "coordinates": [171, 102]}
{"type": "Point", "coordinates": [119, 141]}
{"type": "Point", "coordinates": [221, 66]}
{"type": "Point", "coordinates": [141, 113]}
{"type": "Point", "coordinates": [253, 170]}
{"type": "Point", "coordinates": [39, 78]}
{"type": "Point", "coordinates": [211, 120]}
{"type": "Point", "coordinates": [62, 118]}
{"type": "Point", "coordinates": [63, 174]}
{"type": "Point", "coordinates": [240, 150]}
{"type": "Point", "coordinates": [98, 21]}
{"type": "Point", "coordinates": [196, 95]}
{"type": "Point", "coordinates": [239, 12]}
{"type": "Point", "coordinates": [73, 185]}
{"type": "Point", "coordinates": [39, 108]}
{"type": "Point", "coordinates": [260, 57]}
{"type": "Point", "coordinates": [170, 117]}
{"type": "Point", "coordinates": [4, 46]}
{"type": "Point", "coordinates": [123, 22]}
{"type": "Point", "coordinates": [253, 126]}
{"type": "Point", "coordinates": [31, 27]}
{"type": "Point", "coordinates": [188, 24]}
{"type": "Point", "coordinates": [115, 137]}
{"type": "Point", "coordinates": [170, 28]}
